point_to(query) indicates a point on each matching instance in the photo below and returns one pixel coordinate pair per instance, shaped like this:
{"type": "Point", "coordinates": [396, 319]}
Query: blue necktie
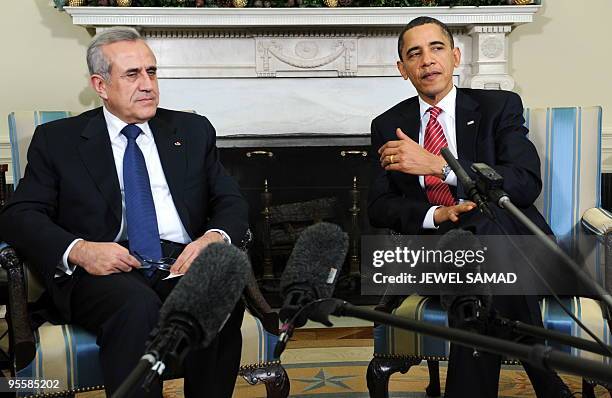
{"type": "Point", "coordinates": [143, 234]}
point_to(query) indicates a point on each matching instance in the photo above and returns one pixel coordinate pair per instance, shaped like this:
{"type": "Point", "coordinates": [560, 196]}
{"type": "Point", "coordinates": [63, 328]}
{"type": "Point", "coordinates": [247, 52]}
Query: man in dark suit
{"type": "Point", "coordinates": [111, 194]}
{"type": "Point", "coordinates": [415, 192]}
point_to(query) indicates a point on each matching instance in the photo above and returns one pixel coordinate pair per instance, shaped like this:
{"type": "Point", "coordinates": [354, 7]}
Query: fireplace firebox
{"type": "Point", "coordinates": [292, 182]}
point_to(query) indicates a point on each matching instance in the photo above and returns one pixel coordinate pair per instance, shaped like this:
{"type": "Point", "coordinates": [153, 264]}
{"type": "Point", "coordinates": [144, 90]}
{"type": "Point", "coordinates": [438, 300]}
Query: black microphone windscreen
{"type": "Point", "coordinates": [210, 289]}
{"type": "Point", "coordinates": [316, 260]}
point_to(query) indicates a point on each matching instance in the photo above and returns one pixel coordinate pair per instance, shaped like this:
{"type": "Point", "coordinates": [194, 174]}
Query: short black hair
{"type": "Point", "coordinates": [423, 21]}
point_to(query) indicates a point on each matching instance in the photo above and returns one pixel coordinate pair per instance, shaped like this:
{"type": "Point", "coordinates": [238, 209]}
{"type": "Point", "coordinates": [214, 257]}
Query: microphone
{"type": "Point", "coordinates": [311, 274]}
{"type": "Point", "coordinates": [194, 312]}
{"type": "Point", "coordinates": [468, 184]}
{"type": "Point", "coordinates": [467, 307]}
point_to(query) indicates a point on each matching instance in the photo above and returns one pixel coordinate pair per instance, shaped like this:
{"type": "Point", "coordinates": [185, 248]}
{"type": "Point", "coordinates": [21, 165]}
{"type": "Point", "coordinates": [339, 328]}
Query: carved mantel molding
{"type": "Point", "coordinates": [311, 42]}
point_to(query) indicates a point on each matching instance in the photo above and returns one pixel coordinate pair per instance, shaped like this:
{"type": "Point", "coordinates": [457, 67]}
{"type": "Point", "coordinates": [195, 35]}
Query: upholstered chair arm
{"type": "Point", "coordinates": [21, 336]}
{"type": "Point", "coordinates": [253, 299]}
{"type": "Point", "coordinates": [599, 222]}
{"type": "Point", "coordinates": [258, 306]}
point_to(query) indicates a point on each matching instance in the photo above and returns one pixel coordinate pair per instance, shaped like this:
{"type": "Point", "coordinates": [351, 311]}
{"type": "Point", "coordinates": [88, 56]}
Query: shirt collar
{"type": "Point", "coordinates": [115, 125]}
{"type": "Point", "coordinates": [447, 104]}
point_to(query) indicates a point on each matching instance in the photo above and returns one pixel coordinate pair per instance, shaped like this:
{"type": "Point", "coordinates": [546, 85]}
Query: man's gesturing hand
{"type": "Point", "coordinates": [409, 157]}
{"type": "Point", "coordinates": [452, 213]}
{"type": "Point", "coordinates": [102, 258]}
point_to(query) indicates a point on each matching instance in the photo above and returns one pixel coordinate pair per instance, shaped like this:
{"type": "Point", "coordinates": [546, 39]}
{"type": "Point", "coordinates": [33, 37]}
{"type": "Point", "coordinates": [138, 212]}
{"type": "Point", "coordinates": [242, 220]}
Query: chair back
{"type": "Point", "coordinates": [21, 129]}
{"type": "Point", "coordinates": [568, 141]}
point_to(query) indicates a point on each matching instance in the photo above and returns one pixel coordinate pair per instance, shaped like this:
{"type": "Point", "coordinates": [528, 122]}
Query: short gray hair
{"type": "Point", "coordinates": [96, 61]}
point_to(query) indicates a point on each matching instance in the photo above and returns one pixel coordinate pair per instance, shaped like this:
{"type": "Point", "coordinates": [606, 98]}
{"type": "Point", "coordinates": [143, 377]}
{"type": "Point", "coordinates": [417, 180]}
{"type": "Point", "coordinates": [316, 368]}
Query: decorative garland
{"type": "Point", "coordinates": [289, 3]}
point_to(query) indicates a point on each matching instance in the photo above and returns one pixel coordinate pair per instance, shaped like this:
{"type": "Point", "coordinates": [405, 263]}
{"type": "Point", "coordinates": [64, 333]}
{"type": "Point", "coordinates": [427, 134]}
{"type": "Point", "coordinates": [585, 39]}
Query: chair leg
{"type": "Point", "coordinates": [433, 389]}
{"type": "Point", "coordinates": [588, 389]}
{"type": "Point", "coordinates": [380, 370]}
{"type": "Point", "coordinates": [272, 375]}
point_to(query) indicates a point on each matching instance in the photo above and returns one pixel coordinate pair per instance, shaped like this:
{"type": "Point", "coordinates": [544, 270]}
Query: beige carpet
{"type": "Point", "coordinates": [349, 382]}
{"type": "Point", "coordinates": [339, 372]}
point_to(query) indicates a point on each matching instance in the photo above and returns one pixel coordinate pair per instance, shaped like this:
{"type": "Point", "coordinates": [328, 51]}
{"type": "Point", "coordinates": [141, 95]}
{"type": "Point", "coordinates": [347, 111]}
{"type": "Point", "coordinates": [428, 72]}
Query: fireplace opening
{"type": "Point", "coordinates": [291, 184]}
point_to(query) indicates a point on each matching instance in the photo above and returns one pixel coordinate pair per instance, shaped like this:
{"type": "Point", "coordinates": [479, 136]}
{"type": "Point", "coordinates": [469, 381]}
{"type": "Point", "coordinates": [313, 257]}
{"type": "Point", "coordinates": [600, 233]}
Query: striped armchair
{"type": "Point", "coordinates": [568, 141]}
{"type": "Point", "coordinates": [68, 352]}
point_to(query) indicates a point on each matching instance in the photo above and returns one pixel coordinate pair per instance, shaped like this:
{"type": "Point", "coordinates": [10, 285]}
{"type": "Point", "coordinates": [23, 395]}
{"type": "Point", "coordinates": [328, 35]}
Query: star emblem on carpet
{"type": "Point", "coordinates": [323, 379]}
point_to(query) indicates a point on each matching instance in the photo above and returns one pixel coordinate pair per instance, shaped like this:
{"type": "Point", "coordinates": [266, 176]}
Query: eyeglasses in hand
{"type": "Point", "coordinates": [163, 264]}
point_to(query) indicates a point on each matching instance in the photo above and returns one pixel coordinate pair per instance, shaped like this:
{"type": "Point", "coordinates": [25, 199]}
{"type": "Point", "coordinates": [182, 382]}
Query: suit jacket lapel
{"type": "Point", "coordinates": [171, 148]}
{"type": "Point", "coordinates": [97, 156]}
{"type": "Point", "coordinates": [467, 120]}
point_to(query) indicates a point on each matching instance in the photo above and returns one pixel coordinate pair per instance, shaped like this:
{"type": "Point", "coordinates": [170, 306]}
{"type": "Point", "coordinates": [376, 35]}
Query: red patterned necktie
{"type": "Point", "coordinates": [437, 191]}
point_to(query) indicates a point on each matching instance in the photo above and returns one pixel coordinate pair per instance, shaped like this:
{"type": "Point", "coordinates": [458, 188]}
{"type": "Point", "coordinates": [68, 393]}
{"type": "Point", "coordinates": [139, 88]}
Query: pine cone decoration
{"type": "Point", "coordinates": [240, 3]}
{"type": "Point", "coordinates": [225, 3]}
{"type": "Point", "coordinates": [76, 3]}
{"type": "Point", "coordinates": [200, 3]}
{"type": "Point", "coordinates": [331, 3]}
{"type": "Point", "coordinates": [345, 3]}
{"type": "Point", "coordinates": [429, 3]}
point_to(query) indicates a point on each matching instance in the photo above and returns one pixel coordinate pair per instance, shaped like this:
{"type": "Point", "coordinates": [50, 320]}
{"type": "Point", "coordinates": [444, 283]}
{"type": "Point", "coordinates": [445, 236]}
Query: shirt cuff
{"type": "Point", "coordinates": [225, 236]}
{"type": "Point", "coordinates": [428, 222]}
{"type": "Point", "coordinates": [65, 267]}
{"type": "Point", "coordinates": [451, 179]}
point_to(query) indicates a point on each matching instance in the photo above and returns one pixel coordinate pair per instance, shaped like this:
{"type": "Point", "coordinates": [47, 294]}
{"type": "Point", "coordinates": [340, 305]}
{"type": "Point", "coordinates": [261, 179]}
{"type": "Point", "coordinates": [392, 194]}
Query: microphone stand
{"type": "Point", "coordinates": [490, 187]}
{"type": "Point", "coordinates": [144, 366]}
{"type": "Point", "coordinates": [150, 365]}
{"type": "Point", "coordinates": [538, 355]}
{"type": "Point", "coordinates": [173, 341]}
{"type": "Point", "coordinates": [497, 195]}
{"type": "Point", "coordinates": [536, 331]}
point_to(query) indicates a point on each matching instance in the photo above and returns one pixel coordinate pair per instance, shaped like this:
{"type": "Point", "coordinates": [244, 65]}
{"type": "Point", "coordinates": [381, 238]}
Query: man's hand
{"type": "Point", "coordinates": [409, 157]}
{"type": "Point", "coordinates": [102, 258]}
{"type": "Point", "coordinates": [192, 250]}
{"type": "Point", "coordinates": [445, 213]}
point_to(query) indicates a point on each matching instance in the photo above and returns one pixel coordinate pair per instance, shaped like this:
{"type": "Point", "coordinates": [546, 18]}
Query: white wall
{"type": "Point", "coordinates": [564, 58]}
{"type": "Point", "coordinates": [43, 63]}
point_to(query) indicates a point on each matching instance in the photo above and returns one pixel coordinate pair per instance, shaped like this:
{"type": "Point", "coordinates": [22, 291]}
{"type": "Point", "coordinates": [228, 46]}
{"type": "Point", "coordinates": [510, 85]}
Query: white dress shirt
{"type": "Point", "coordinates": [447, 121]}
{"type": "Point", "coordinates": [168, 221]}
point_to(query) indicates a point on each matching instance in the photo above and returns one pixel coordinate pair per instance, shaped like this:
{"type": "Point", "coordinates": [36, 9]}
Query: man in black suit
{"type": "Point", "coordinates": [109, 195]}
{"type": "Point", "coordinates": [415, 192]}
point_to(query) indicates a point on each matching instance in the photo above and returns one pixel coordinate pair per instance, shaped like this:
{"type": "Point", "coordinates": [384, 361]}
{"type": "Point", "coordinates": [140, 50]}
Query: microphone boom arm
{"type": "Point", "coordinates": [538, 355]}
